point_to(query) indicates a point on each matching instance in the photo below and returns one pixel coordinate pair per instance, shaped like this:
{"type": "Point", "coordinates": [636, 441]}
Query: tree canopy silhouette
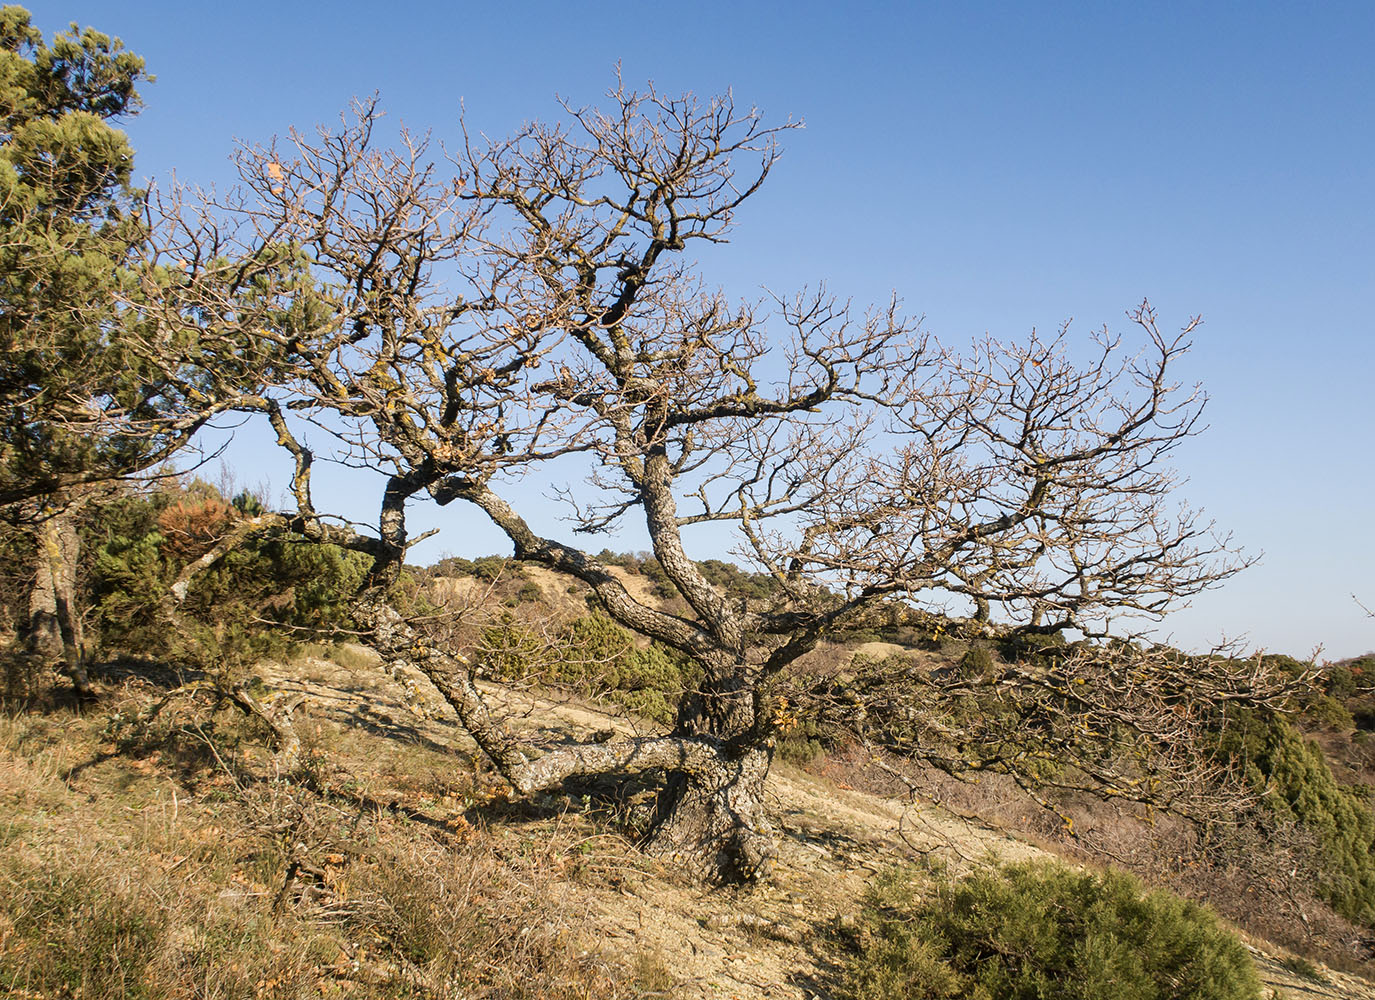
{"type": "Point", "coordinates": [534, 303]}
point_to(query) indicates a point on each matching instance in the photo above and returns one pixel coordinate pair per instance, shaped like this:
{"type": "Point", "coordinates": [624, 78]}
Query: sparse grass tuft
{"type": "Point", "coordinates": [74, 927]}
{"type": "Point", "coordinates": [1301, 966]}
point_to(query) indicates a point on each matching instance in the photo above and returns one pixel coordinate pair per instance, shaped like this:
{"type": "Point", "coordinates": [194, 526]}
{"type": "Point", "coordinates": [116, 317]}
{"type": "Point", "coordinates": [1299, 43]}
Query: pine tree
{"type": "Point", "coordinates": [71, 389]}
{"type": "Point", "coordinates": [74, 399]}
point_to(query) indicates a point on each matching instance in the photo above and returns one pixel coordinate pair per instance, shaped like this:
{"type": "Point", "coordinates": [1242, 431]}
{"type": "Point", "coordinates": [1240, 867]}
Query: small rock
{"type": "Point", "coordinates": [706, 950]}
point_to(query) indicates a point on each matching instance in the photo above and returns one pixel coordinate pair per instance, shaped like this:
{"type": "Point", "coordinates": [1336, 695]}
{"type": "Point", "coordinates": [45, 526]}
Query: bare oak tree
{"type": "Point", "coordinates": [533, 303]}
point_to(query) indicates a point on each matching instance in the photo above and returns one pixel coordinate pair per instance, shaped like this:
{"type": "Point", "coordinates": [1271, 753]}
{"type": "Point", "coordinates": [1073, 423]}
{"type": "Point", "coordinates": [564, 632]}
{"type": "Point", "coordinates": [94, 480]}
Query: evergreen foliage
{"type": "Point", "coordinates": [235, 610]}
{"type": "Point", "coordinates": [1032, 931]}
{"type": "Point", "coordinates": [594, 656]}
{"type": "Point", "coordinates": [70, 226]}
{"type": "Point", "coordinates": [1299, 787]}
{"type": "Point", "coordinates": [486, 568]}
{"type": "Point", "coordinates": [977, 662]}
{"type": "Point", "coordinates": [601, 653]}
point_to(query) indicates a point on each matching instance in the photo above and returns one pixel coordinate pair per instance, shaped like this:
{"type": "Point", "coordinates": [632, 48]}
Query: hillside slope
{"type": "Point", "coordinates": [778, 940]}
{"type": "Point", "coordinates": [402, 869]}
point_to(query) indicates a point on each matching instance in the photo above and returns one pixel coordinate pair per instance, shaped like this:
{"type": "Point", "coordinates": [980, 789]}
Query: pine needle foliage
{"type": "Point", "coordinates": [1299, 788]}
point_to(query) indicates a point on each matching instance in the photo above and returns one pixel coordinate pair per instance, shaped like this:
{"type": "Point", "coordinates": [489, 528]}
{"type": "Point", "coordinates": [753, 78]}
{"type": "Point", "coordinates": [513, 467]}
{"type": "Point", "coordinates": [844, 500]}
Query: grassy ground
{"type": "Point", "coordinates": [164, 858]}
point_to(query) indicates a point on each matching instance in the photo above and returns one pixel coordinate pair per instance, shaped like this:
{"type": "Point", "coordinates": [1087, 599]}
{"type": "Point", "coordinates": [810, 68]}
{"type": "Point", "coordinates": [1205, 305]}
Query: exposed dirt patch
{"type": "Point", "coordinates": [879, 650]}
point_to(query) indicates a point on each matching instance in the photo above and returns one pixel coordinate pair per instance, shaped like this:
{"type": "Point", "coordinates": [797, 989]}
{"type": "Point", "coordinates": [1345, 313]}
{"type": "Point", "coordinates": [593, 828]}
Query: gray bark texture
{"type": "Point", "coordinates": [714, 822]}
{"type": "Point", "coordinates": [54, 634]}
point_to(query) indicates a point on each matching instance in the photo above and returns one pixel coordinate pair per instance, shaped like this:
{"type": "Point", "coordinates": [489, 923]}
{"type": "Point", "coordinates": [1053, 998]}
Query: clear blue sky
{"type": "Point", "coordinates": [1001, 166]}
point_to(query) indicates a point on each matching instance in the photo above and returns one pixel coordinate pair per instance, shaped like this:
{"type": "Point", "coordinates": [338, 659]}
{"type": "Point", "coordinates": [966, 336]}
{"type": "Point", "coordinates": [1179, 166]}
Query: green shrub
{"type": "Point", "coordinates": [141, 542]}
{"type": "Point", "coordinates": [738, 583]}
{"type": "Point", "coordinates": [449, 566]}
{"type": "Point", "coordinates": [1349, 684]}
{"type": "Point", "coordinates": [1327, 712]}
{"type": "Point", "coordinates": [1033, 931]}
{"type": "Point", "coordinates": [1299, 787]}
{"type": "Point", "coordinates": [1286, 665]}
{"type": "Point", "coordinates": [595, 657]}
{"type": "Point", "coordinates": [528, 593]}
{"type": "Point", "coordinates": [1340, 681]}
{"type": "Point", "coordinates": [492, 568]}
{"type": "Point", "coordinates": [512, 650]}
{"type": "Point", "coordinates": [799, 748]}
{"type": "Point", "coordinates": [977, 662]}
{"type": "Point", "coordinates": [602, 658]}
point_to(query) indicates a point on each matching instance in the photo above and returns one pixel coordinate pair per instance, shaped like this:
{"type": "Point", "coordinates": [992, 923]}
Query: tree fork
{"type": "Point", "coordinates": [710, 816]}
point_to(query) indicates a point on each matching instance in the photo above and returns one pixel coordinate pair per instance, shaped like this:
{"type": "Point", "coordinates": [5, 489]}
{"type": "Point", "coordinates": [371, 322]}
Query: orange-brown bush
{"type": "Point", "coordinates": [191, 527]}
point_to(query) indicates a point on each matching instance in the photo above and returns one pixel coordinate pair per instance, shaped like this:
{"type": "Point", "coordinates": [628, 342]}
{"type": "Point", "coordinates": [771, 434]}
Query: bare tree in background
{"type": "Point", "coordinates": [534, 303]}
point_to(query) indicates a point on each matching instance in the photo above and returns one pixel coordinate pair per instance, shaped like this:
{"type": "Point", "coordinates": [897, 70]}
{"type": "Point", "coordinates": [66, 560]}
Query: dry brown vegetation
{"type": "Point", "coordinates": [164, 858]}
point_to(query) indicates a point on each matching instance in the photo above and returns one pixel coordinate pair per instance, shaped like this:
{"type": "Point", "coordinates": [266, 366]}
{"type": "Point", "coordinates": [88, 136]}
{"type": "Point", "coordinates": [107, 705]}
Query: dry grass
{"type": "Point", "coordinates": [162, 861]}
{"type": "Point", "coordinates": [346, 655]}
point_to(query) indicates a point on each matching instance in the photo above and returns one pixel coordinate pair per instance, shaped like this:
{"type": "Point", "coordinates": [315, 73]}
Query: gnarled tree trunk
{"type": "Point", "coordinates": [54, 632]}
{"type": "Point", "coordinates": [713, 821]}
{"type": "Point", "coordinates": [715, 824]}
